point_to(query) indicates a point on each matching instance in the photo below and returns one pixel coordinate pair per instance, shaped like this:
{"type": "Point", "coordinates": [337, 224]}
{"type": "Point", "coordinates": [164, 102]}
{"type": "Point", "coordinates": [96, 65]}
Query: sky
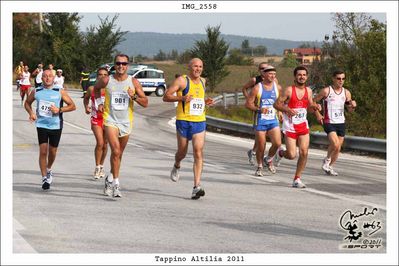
{"type": "Point", "coordinates": [287, 26]}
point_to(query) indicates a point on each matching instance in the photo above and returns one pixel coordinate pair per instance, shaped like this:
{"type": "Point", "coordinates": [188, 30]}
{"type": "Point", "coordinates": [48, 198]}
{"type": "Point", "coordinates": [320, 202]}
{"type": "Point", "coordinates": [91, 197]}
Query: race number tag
{"type": "Point", "coordinates": [300, 117]}
{"type": "Point", "coordinates": [119, 100]}
{"type": "Point", "coordinates": [197, 106]}
{"type": "Point", "coordinates": [269, 114]}
{"type": "Point", "coordinates": [337, 111]}
{"type": "Point", "coordinates": [44, 108]}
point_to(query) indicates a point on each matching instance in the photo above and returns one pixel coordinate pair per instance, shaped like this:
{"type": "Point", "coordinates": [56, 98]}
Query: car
{"type": "Point", "coordinates": [150, 78]}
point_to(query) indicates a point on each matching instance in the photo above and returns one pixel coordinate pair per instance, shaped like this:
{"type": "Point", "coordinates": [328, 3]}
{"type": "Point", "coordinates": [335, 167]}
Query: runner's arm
{"type": "Point", "coordinates": [140, 97]}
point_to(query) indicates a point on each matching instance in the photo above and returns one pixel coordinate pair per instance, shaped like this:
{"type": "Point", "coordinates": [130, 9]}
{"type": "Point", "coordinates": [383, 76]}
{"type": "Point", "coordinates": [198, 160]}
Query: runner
{"type": "Point", "coordinates": [100, 151]}
{"type": "Point", "coordinates": [38, 75]}
{"type": "Point", "coordinates": [246, 90]}
{"type": "Point", "coordinates": [266, 123]}
{"type": "Point", "coordinates": [190, 120]}
{"type": "Point", "coordinates": [84, 80]}
{"type": "Point", "coordinates": [18, 71]}
{"type": "Point", "coordinates": [24, 84]}
{"type": "Point", "coordinates": [294, 102]}
{"type": "Point", "coordinates": [121, 91]}
{"type": "Point", "coordinates": [49, 122]}
{"type": "Point", "coordinates": [59, 79]}
{"type": "Point", "coordinates": [335, 98]}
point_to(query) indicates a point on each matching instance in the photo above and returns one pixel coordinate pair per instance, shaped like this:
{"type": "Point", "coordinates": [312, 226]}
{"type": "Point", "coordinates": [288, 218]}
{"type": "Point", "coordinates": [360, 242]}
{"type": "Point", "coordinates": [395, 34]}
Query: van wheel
{"type": "Point", "coordinates": [160, 91]}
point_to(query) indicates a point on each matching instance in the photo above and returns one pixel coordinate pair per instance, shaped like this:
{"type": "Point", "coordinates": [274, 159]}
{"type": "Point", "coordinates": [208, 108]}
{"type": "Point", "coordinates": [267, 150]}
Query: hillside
{"type": "Point", "coordinates": [149, 43]}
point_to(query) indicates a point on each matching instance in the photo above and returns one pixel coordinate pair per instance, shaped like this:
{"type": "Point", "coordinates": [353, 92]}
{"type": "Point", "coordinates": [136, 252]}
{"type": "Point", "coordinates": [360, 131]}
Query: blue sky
{"type": "Point", "coordinates": [288, 26]}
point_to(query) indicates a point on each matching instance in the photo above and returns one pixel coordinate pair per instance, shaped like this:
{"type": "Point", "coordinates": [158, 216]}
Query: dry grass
{"type": "Point", "coordinates": [238, 76]}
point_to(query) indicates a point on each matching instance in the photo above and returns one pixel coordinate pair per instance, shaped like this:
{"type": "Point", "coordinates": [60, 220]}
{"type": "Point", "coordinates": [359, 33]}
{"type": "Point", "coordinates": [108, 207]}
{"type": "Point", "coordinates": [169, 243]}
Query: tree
{"type": "Point", "coordinates": [212, 52]}
{"type": "Point", "coordinates": [237, 58]}
{"type": "Point", "coordinates": [289, 60]}
{"type": "Point", "coordinates": [62, 40]}
{"type": "Point", "coordinates": [26, 38]}
{"type": "Point", "coordinates": [100, 42]}
{"type": "Point", "coordinates": [260, 50]}
{"type": "Point", "coordinates": [359, 48]}
{"type": "Point", "coordinates": [160, 56]}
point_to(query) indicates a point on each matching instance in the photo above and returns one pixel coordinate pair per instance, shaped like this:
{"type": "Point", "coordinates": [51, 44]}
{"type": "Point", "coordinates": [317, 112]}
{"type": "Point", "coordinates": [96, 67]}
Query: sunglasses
{"type": "Point", "coordinates": [121, 63]}
{"type": "Point", "coordinates": [340, 78]}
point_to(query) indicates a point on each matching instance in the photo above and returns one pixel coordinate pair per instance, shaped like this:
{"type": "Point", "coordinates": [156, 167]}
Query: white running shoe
{"type": "Point", "coordinates": [174, 174]}
{"type": "Point", "coordinates": [259, 171]}
{"type": "Point", "coordinates": [102, 173]}
{"type": "Point", "coordinates": [198, 192]}
{"type": "Point", "coordinates": [50, 176]}
{"type": "Point", "coordinates": [277, 157]}
{"type": "Point", "coordinates": [332, 172]}
{"type": "Point", "coordinates": [270, 165]}
{"type": "Point", "coordinates": [298, 183]}
{"type": "Point", "coordinates": [96, 174]}
{"type": "Point", "coordinates": [107, 187]}
{"type": "Point", "coordinates": [45, 184]}
{"type": "Point", "coordinates": [117, 193]}
{"type": "Point", "coordinates": [251, 157]}
{"type": "Point", "coordinates": [326, 165]}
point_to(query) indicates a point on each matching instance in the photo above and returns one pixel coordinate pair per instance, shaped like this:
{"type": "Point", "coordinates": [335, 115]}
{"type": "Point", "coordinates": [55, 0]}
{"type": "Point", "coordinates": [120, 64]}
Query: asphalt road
{"type": "Point", "coordinates": [239, 214]}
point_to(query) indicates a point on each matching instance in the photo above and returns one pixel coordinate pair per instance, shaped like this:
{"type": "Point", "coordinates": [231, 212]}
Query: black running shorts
{"type": "Point", "coordinates": [338, 128]}
{"type": "Point", "coordinates": [51, 136]}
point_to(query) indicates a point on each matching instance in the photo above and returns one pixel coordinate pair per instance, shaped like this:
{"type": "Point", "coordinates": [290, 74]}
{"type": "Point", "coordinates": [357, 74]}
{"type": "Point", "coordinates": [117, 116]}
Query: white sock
{"type": "Point", "coordinates": [48, 170]}
{"type": "Point", "coordinates": [260, 165]}
{"type": "Point", "coordinates": [115, 181]}
{"type": "Point", "coordinates": [110, 177]}
{"type": "Point", "coordinates": [44, 178]}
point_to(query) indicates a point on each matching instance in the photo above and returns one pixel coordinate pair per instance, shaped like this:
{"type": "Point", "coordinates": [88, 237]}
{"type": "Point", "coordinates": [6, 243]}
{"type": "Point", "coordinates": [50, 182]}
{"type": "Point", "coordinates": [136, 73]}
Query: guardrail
{"type": "Point", "coordinates": [319, 138]}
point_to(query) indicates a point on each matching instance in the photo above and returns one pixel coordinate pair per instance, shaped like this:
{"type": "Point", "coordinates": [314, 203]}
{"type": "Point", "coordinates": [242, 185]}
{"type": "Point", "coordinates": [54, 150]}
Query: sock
{"type": "Point", "coordinates": [296, 177]}
{"type": "Point", "coordinates": [253, 152]}
{"type": "Point", "coordinates": [44, 178]}
{"type": "Point", "coordinates": [110, 177]}
{"type": "Point", "coordinates": [268, 159]}
{"type": "Point", "coordinates": [115, 181]}
{"type": "Point", "coordinates": [98, 166]}
{"type": "Point", "coordinates": [48, 170]}
{"type": "Point", "coordinates": [260, 165]}
{"type": "Point", "coordinates": [101, 166]}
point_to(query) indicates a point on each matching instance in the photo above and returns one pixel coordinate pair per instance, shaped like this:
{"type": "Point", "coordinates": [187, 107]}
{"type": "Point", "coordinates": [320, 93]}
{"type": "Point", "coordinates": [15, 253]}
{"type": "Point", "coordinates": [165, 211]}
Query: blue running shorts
{"type": "Point", "coordinates": [266, 127]}
{"type": "Point", "coordinates": [187, 129]}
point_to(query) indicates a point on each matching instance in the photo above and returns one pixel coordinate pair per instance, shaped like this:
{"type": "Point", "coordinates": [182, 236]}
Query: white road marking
{"type": "Point", "coordinates": [20, 245]}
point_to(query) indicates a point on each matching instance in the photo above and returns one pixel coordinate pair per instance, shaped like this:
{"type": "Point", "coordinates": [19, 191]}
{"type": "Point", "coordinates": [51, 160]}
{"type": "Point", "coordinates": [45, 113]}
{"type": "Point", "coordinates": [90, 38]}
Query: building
{"type": "Point", "coordinates": [304, 56]}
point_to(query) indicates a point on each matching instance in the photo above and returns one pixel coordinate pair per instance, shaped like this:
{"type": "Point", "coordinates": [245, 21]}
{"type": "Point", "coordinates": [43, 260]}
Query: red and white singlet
{"type": "Point", "coordinates": [297, 124]}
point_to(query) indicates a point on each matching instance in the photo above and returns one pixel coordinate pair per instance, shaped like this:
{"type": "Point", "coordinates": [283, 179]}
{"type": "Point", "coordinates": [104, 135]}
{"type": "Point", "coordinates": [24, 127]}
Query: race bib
{"type": "Point", "coordinates": [300, 117]}
{"type": "Point", "coordinates": [197, 106]}
{"type": "Point", "coordinates": [337, 111]}
{"type": "Point", "coordinates": [44, 108]}
{"type": "Point", "coordinates": [269, 114]}
{"type": "Point", "coordinates": [119, 100]}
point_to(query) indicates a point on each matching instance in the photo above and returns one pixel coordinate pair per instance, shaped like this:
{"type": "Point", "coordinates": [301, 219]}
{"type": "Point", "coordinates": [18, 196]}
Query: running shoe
{"type": "Point", "coordinates": [107, 187]}
{"type": "Point", "coordinates": [117, 193]}
{"type": "Point", "coordinates": [332, 172]}
{"type": "Point", "coordinates": [50, 176]}
{"type": "Point", "coordinates": [326, 165]}
{"type": "Point", "coordinates": [45, 184]}
{"type": "Point", "coordinates": [259, 171]}
{"type": "Point", "coordinates": [102, 173]}
{"type": "Point", "coordinates": [96, 174]}
{"type": "Point", "coordinates": [270, 165]}
{"type": "Point", "coordinates": [197, 192]}
{"type": "Point", "coordinates": [251, 157]}
{"type": "Point", "coordinates": [174, 174]}
{"type": "Point", "coordinates": [298, 183]}
{"type": "Point", "coordinates": [277, 157]}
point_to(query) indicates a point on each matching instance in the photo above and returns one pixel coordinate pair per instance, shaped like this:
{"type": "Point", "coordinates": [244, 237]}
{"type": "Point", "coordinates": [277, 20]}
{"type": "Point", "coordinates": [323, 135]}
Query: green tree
{"type": "Point", "coordinates": [245, 48]}
{"type": "Point", "coordinates": [184, 57]}
{"type": "Point", "coordinates": [289, 60]}
{"type": "Point", "coordinates": [100, 42]}
{"type": "Point", "coordinates": [61, 42]}
{"type": "Point", "coordinates": [260, 50]}
{"type": "Point", "coordinates": [160, 56]}
{"type": "Point", "coordinates": [26, 38]}
{"type": "Point", "coordinates": [237, 58]}
{"type": "Point", "coordinates": [359, 48]}
{"type": "Point", "coordinates": [212, 52]}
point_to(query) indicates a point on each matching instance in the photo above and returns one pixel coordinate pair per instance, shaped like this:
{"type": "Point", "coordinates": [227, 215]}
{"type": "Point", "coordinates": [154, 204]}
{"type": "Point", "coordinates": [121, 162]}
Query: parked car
{"type": "Point", "coordinates": [150, 78]}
